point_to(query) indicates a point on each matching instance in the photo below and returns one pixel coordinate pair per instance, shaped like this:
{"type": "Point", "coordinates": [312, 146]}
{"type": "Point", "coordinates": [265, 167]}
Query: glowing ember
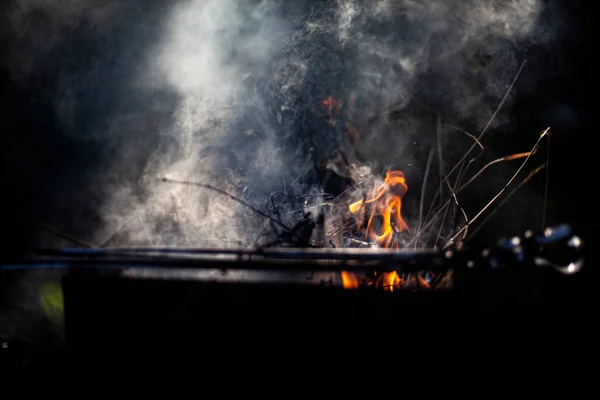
{"type": "Point", "coordinates": [332, 104]}
{"type": "Point", "coordinates": [424, 283]}
{"type": "Point", "coordinates": [386, 281]}
{"type": "Point", "coordinates": [350, 280]}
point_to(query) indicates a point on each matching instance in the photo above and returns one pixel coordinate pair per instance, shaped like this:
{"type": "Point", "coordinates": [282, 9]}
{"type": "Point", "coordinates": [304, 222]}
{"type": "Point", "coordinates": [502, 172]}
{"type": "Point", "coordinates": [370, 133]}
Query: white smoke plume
{"type": "Point", "coordinates": [206, 57]}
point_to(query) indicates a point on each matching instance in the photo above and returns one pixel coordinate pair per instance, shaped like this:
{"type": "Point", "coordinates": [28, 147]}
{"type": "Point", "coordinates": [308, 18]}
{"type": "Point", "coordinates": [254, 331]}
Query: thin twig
{"type": "Point", "coordinates": [454, 191]}
{"type": "Point", "coordinates": [287, 190]}
{"type": "Point", "coordinates": [64, 235]}
{"type": "Point", "coordinates": [501, 191]}
{"type": "Point", "coordinates": [446, 208]}
{"type": "Point", "coordinates": [504, 98]}
{"type": "Point", "coordinates": [224, 193]}
{"type": "Point", "coordinates": [274, 208]}
{"type": "Point", "coordinates": [145, 229]}
{"type": "Point", "coordinates": [450, 188]}
{"type": "Point", "coordinates": [466, 223]}
{"type": "Point", "coordinates": [264, 228]}
{"type": "Point", "coordinates": [527, 179]}
{"type": "Point", "coordinates": [117, 232]}
{"type": "Point", "coordinates": [438, 131]}
{"type": "Point", "coordinates": [478, 174]}
{"type": "Point", "coordinates": [421, 202]}
{"type": "Point", "coordinates": [501, 159]}
{"type": "Point", "coordinates": [462, 172]}
{"type": "Point", "coordinates": [489, 123]}
{"type": "Point", "coordinates": [306, 196]}
{"type": "Point", "coordinates": [459, 175]}
{"type": "Point", "coordinates": [546, 184]}
{"type": "Point", "coordinates": [175, 207]}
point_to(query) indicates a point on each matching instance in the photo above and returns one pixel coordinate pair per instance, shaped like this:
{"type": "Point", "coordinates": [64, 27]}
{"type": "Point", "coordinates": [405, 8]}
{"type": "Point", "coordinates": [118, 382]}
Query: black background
{"type": "Point", "coordinates": [36, 159]}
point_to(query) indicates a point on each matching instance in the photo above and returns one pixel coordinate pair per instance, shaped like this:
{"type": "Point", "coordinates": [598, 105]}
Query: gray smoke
{"type": "Point", "coordinates": [224, 92]}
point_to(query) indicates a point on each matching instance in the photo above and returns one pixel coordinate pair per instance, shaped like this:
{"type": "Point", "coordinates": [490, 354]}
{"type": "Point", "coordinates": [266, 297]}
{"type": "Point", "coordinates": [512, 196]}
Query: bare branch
{"type": "Point", "coordinates": [224, 193]}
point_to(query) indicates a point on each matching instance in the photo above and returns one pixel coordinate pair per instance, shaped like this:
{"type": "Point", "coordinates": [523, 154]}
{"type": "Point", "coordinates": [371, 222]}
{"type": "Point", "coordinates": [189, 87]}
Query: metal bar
{"type": "Point", "coordinates": [232, 264]}
{"type": "Point", "coordinates": [279, 253]}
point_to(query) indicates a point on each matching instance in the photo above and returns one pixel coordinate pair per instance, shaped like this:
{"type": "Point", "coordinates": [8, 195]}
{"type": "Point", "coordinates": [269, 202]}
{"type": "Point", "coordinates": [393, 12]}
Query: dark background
{"type": "Point", "coordinates": [41, 167]}
{"type": "Point", "coordinates": [563, 103]}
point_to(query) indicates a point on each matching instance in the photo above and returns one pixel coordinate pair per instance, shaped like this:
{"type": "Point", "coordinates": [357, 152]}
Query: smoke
{"type": "Point", "coordinates": [209, 54]}
{"type": "Point", "coordinates": [228, 93]}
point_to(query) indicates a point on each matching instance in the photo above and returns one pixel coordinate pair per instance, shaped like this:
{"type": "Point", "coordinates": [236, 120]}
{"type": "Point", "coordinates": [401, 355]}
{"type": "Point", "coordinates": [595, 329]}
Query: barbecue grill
{"type": "Point", "coordinates": [141, 305]}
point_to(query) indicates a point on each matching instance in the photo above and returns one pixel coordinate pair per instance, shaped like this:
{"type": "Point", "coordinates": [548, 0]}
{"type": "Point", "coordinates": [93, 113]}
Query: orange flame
{"type": "Point", "coordinates": [387, 200]}
{"type": "Point", "coordinates": [391, 280]}
{"type": "Point", "coordinates": [350, 280]}
{"type": "Point", "coordinates": [386, 281]}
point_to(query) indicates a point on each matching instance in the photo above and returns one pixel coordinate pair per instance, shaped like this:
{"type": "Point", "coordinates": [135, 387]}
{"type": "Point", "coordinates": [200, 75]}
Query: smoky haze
{"type": "Point", "coordinates": [107, 97]}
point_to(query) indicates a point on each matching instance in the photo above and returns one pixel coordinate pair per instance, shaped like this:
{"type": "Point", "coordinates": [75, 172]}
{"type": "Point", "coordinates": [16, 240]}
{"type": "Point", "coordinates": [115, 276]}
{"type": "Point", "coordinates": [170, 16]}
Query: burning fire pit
{"type": "Point", "coordinates": [343, 257]}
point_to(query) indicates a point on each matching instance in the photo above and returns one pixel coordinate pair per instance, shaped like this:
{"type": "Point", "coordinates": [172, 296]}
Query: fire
{"type": "Point", "coordinates": [387, 202]}
{"type": "Point", "coordinates": [391, 280]}
{"type": "Point", "coordinates": [350, 280]}
{"type": "Point", "coordinates": [386, 281]}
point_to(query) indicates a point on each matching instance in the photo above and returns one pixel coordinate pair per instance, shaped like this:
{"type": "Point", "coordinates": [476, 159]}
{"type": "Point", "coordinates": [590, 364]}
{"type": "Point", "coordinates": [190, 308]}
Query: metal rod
{"type": "Point", "coordinates": [279, 253]}
{"type": "Point", "coordinates": [215, 264]}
